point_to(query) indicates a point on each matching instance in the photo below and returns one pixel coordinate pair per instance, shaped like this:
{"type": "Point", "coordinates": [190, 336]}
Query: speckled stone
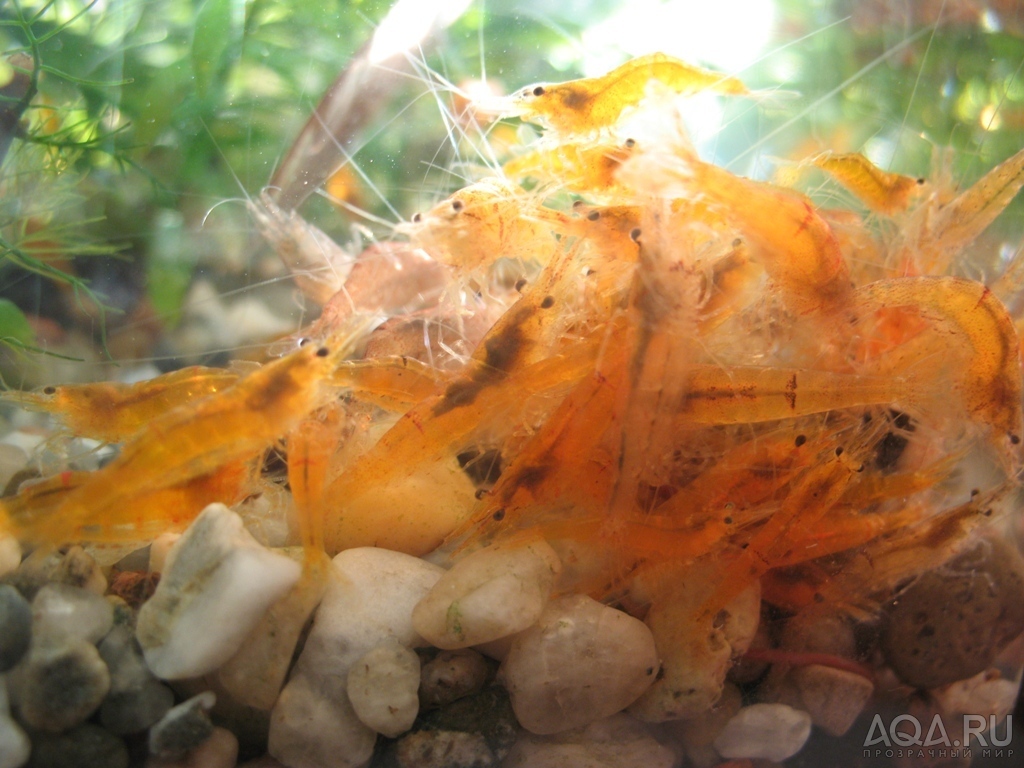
{"type": "Point", "coordinates": [136, 699]}
{"type": "Point", "coordinates": [450, 675]}
{"type": "Point", "coordinates": [87, 746]}
{"type": "Point", "coordinates": [220, 750]}
{"type": "Point", "coordinates": [59, 685]}
{"type": "Point", "coordinates": [15, 626]}
{"type": "Point", "coordinates": [183, 728]}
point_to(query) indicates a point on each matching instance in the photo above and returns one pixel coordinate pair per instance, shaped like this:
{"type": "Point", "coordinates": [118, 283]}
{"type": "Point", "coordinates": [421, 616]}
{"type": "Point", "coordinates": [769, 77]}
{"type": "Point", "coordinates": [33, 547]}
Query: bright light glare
{"type": "Point", "coordinates": [408, 22]}
{"type": "Point", "coordinates": [726, 34]}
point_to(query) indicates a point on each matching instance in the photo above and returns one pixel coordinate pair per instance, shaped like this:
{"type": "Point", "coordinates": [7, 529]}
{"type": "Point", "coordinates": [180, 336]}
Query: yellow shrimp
{"type": "Point", "coordinates": [882, 191]}
{"type": "Point", "coordinates": [194, 440]}
{"type": "Point", "coordinates": [113, 412]}
{"type": "Point", "coordinates": [592, 104]}
{"type": "Point", "coordinates": [585, 167]}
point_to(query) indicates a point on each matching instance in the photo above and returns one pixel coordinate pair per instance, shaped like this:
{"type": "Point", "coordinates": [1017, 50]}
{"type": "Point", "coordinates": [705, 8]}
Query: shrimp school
{"type": "Point", "coordinates": [611, 446]}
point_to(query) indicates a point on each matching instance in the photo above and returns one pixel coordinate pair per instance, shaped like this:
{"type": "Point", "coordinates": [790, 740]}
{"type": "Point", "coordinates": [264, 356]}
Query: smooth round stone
{"type": "Point", "coordinates": [183, 728]}
{"type": "Point", "coordinates": [770, 731]}
{"type": "Point", "coordinates": [445, 749]}
{"type": "Point", "coordinates": [382, 687]}
{"type": "Point", "coordinates": [492, 593]}
{"type": "Point", "coordinates": [61, 610]}
{"type": "Point", "coordinates": [121, 653]}
{"type": "Point", "coordinates": [58, 686]}
{"type": "Point", "coordinates": [87, 746]}
{"type": "Point", "coordinates": [450, 675]}
{"type": "Point", "coordinates": [79, 569]}
{"type": "Point", "coordinates": [15, 626]}
{"type": "Point", "coordinates": [581, 662]}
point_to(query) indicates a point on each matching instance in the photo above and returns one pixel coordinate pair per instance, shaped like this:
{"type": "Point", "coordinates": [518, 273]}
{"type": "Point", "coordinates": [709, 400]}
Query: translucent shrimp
{"type": "Point", "coordinates": [586, 167]}
{"type": "Point", "coordinates": [786, 234]}
{"type": "Point", "coordinates": [942, 229]}
{"type": "Point", "coordinates": [195, 440]}
{"type": "Point", "coordinates": [113, 412]}
{"type": "Point", "coordinates": [484, 222]}
{"type": "Point", "coordinates": [882, 191]}
{"type": "Point", "coordinates": [591, 104]}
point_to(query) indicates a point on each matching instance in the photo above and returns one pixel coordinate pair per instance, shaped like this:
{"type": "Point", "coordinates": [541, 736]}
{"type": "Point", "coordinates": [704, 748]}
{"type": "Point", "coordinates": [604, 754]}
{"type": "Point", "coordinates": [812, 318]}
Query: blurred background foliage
{"type": "Point", "coordinates": [132, 131]}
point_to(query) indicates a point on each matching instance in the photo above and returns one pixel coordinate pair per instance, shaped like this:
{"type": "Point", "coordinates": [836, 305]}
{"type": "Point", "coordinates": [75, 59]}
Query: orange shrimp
{"type": "Point", "coordinates": [394, 383]}
{"type": "Point", "coordinates": [589, 105]}
{"type": "Point", "coordinates": [195, 440]}
{"type": "Point", "coordinates": [113, 412]}
{"type": "Point", "coordinates": [484, 222]}
{"type": "Point", "coordinates": [990, 384]}
{"type": "Point", "coordinates": [882, 191]}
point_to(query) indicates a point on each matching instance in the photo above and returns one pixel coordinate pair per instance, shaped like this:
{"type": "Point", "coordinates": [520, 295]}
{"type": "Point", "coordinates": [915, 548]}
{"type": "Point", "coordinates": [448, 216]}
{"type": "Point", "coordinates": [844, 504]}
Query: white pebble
{"type": "Point", "coordinates": [832, 697]}
{"type": "Point", "coordinates": [59, 610]}
{"type": "Point", "coordinates": [489, 594]}
{"type": "Point", "coordinates": [383, 685]}
{"type": "Point", "coordinates": [616, 742]}
{"type": "Point", "coordinates": [217, 585]}
{"type": "Point", "coordinates": [159, 550]}
{"type": "Point", "coordinates": [369, 601]}
{"type": "Point", "coordinates": [581, 662]}
{"type": "Point", "coordinates": [768, 731]}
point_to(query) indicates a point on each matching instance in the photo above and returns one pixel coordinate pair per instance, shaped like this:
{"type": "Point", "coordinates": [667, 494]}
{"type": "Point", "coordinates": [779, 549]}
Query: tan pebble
{"type": "Point", "coordinates": [832, 697]}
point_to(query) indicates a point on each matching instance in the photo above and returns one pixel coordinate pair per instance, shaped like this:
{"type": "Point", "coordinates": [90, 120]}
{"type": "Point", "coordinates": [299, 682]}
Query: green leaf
{"type": "Point", "coordinates": [215, 43]}
{"type": "Point", "coordinates": [14, 327]}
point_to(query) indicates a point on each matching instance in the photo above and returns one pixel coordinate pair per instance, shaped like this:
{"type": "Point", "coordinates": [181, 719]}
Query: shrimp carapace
{"type": "Point", "coordinates": [882, 191]}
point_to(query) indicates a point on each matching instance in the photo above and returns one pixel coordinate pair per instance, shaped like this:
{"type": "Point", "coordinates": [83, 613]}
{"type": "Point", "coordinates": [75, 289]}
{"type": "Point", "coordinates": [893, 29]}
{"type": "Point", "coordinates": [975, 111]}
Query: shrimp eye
{"type": "Point", "coordinates": [417, 218]}
{"type": "Point", "coordinates": [304, 341]}
{"type": "Point", "coordinates": [920, 181]}
{"type": "Point", "coordinates": [630, 143]}
{"type": "Point", "coordinates": [634, 234]}
{"type": "Point", "coordinates": [593, 216]}
{"type": "Point", "coordinates": [323, 352]}
{"type": "Point", "coordinates": [49, 390]}
{"type": "Point", "coordinates": [458, 205]}
{"type": "Point", "coordinates": [538, 91]}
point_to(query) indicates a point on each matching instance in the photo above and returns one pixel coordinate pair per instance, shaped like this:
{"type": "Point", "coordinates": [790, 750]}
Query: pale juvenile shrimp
{"type": "Point", "coordinates": [941, 229]}
{"type": "Point", "coordinates": [393, 383]}
{"type": "Point", "coordinates": [586, 167]}
{"type": "Point", "coordinates": [881, 191]}
{"type": "Point", "coordinates": [794, 244]}
{"type": "Point", "coordinates": [591, 104]}
{"type": "Point", "coordinates": [194, 440]}
{"type": "Point", "coordinates": [113, 412]}
{"type": "Point", "coordinates": [484, 222]}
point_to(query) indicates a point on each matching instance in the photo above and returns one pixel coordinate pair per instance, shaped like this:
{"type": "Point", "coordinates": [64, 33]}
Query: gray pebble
{"type": "Point", "coordinates": [952, 622]}
{"type": "Point", "coordinates": [136, 710]}
{"type": "Point", "coordinates": [87, 746]}
{"type": "Point", "coordinates": [450, 675]}
{"type": "Point", "coordinates": [15, 626]}
{"type": "Point", "coordinates": [137, 699]}
{"type": "Point", "coordinates": [183, 728]}
{"type": "Point", "coordinates": [58, 685]}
